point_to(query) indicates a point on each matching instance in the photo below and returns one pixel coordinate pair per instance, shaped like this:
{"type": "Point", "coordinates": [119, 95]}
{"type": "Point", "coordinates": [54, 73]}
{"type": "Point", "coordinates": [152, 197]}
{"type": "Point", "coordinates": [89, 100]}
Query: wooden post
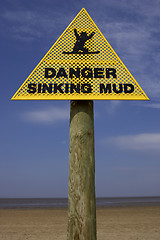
{"type": "Point", "coordinates": [81, 193]}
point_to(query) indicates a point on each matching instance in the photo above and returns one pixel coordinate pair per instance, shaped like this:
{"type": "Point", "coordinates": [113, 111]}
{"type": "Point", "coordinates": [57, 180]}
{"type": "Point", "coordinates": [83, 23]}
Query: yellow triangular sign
{"type": "Point", "coordinates": [80, 65]}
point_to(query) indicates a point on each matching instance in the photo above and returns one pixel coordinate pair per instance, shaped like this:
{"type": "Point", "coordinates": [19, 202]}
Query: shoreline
{"type": "Point", "coordinates": [32, 203]}
{"type": "Point", "coordinates": [97, 207]}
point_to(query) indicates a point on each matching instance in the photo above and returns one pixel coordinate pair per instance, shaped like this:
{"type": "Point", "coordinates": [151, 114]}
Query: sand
{"type": "Point", "coordinates": [116, 223]}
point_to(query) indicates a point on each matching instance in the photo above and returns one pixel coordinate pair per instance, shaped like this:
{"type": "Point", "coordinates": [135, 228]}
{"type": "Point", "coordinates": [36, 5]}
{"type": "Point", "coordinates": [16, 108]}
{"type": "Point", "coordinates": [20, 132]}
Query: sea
{"type": "Point", "coordinates": [28, 203]}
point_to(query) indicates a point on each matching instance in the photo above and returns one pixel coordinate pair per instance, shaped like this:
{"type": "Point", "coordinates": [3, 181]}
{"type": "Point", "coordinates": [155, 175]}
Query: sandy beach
{"type": "Point", "coordinates": [115, 223]}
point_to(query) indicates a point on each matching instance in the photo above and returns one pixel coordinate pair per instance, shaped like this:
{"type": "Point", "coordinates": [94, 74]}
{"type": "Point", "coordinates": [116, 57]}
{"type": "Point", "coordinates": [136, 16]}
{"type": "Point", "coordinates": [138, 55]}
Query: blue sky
{"type": "Point", "coordinates": [34, 135]}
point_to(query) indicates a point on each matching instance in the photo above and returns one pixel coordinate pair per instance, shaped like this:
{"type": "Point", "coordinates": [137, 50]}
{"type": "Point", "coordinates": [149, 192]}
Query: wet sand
{"type": "Point", "coordinates": [115, 223]}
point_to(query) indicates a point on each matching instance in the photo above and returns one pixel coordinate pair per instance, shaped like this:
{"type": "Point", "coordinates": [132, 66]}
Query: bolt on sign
{"type": "Point", "coordinates": [81, 65]}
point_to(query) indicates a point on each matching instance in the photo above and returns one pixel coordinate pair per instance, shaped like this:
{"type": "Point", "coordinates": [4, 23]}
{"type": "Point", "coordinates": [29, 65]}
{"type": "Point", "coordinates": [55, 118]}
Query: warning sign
{"type": "Point", "coordinates": [80, 65]}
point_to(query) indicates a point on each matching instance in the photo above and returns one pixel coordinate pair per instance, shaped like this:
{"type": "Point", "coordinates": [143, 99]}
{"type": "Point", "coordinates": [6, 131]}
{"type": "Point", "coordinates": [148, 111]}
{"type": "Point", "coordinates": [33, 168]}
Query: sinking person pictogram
{"type": "Point", "coordinates": [80, 42]}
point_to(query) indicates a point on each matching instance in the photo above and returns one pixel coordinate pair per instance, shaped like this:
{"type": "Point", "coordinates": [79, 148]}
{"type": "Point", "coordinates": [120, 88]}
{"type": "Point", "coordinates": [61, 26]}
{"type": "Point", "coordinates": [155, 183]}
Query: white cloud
{"type": "Point", "coordinates": [139, 142]}
{"type": "Point", "coordinates": [50, 115]}
{"type": "Point", "coordinates": [19, 16]}
{"type": "Point", "coordinates": [150, 104]}
{"type": "Point", "coordinates": [112, 107]}
{"type": "Point", "coordinates": [29, 25]}
{"type": "Point", "coordinates": [153, 105]}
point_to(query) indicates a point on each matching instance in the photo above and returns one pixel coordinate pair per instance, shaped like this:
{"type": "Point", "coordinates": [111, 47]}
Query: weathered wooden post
{"type": "Point", "coordinates": [81, 196]}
